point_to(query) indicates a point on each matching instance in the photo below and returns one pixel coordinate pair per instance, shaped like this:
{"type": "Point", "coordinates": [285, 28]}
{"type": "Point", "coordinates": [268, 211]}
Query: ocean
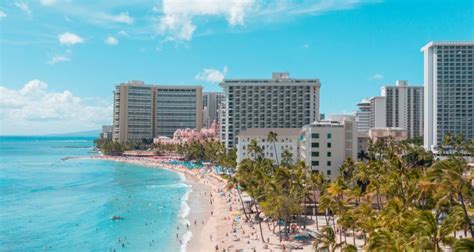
{"type": "Point", "coordinates": [50, 204]}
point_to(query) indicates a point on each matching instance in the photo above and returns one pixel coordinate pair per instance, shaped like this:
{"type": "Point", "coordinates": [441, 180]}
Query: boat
{"type": "Point", "coordinates": [115, 217]}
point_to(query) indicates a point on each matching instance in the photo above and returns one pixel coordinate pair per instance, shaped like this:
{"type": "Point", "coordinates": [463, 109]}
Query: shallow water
{"type": "Point", "coordinates": [67, 205]}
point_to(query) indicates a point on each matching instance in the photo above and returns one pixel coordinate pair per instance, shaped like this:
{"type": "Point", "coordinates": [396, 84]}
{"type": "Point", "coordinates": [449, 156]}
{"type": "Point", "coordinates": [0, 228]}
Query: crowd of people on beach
{"type": "Point", "coordinates": [232, 231]}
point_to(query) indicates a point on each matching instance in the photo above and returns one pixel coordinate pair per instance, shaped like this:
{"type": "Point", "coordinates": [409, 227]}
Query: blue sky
{"type": "Point", "coordinates": [60, 59]}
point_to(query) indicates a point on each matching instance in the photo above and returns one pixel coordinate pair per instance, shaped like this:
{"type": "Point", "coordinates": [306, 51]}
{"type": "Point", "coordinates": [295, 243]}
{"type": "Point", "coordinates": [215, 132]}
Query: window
{"type": "Point", "coordinates": [329, 163]}
{"type": "Point", "coordinates": [315, 163]}
{"type": "Point", "coordinates": [315, 135]}
{"type": "Point", "coordinates": [329, 154]}
{"type": "Point", "coordinates": [315, 145]}
{"type": "Point", "coordinates": [328, 172]}
{"type": "Point", "coordinates": [315, 154]}
{"type": "Point", "coordinates": [329, 135]}
{"type": "Point", "coordinates": [329, 145]}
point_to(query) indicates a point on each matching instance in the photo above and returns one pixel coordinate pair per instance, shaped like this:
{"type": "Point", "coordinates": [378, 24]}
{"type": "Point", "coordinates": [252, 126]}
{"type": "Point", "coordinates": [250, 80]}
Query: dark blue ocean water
{"type": "Point", "coordinates": [50, 204]}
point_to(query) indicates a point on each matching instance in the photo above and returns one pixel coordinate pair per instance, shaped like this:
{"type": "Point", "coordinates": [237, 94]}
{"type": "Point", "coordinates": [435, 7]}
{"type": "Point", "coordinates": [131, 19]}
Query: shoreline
{"type": "Point", "coordinates": [215, 219]}
{"type": "Point", "coordinates": [196, 208]}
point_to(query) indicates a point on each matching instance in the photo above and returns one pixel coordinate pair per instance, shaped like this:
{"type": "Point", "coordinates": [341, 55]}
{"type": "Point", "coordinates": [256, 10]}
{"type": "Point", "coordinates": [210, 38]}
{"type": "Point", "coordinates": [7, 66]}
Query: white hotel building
{"type": "Point", "coordinates": [404, 107]}
{"type": "Point", "coordinates": [280, 102]}
{"type": "Point", "coordinates": [287, 139]}
{"type": "Point", "coordinates": [449, 91]}
{"type": "Point", "coordinates": [325, 145]}
{"type": "Point", "coordinates": [398, 106]}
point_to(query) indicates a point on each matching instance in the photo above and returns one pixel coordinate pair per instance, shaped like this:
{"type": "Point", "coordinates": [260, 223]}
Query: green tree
{"type": "Point", "coordinates": [272, 137]}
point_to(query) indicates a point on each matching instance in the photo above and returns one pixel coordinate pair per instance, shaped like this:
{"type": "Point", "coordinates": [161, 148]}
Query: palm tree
{"type": "Point", "coordinates": [465, 244]}
{"type": "Point", "coordinates": [272, 138]}
{"type": "Point", "coordinates": [286, 158]}
{"type": "Point", "coordinates": [255, 149]}
{"type": "Point", "coordinates": [233, 183]}
{"type": "Point", "coordinates": [349, 221]}
{"type": "Point", "coordinates": [326, 240]}
{"type": "Point", "coordinates": [336, 191]}
{"type": "Point", "coordinates": [317, 183]}
{"type": "Point", "coordinates": [448, 174]}
{"type": "Point", "coordinates": [429, 234]}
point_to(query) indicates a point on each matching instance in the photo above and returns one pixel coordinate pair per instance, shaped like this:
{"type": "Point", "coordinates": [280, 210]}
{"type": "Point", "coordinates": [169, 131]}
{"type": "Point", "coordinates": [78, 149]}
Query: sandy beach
{"type": "Point", "coordinates": [215, 220]}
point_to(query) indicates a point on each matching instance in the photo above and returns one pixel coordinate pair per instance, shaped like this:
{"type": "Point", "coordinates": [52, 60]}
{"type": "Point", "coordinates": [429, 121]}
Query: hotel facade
{"type": "Point", "coordinates": [280, 102]}
{"type": "Point", "coordinates": [404, 107]}
{"type": "Point", "coordinates": [287, 140]}
{"type": "Point", "coordinates": [325, 145]}
{"type": "Point", "coordinates": [142, 112]}
{"type": "Point", "coordinates": [448, 91]}
{"type": "Point", "coordinates": [211, 104]}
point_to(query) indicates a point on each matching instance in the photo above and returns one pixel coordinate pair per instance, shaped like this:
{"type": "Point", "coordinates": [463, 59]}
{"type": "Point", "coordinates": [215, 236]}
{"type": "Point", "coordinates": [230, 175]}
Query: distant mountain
{"type": "Point", "coordinates": [89, 133]}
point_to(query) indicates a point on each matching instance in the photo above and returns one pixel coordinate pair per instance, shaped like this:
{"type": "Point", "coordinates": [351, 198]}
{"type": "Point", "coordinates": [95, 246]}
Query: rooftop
{"type": "Point", "coordinates": [136, 83]}
{"type": "Point", "coordinates": [447, 43]}
{"type": "Point", "coordinates": [277, 77]}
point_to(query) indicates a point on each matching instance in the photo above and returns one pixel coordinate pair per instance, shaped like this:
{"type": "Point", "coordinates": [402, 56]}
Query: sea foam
{"type": "Point", "coordinates": [183, 213]}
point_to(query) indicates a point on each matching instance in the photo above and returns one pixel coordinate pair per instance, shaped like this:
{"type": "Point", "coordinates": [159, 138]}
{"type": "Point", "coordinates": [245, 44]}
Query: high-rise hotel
{"type": "Point", "coordinates": [404, 107]}
{"type": "Point", "coordinates": [280, 102]}
{"type": "Point", "coordinates": [211, 103]}
{"type": "Point", "coordinates": [142, 112]}
{"type": "Point", "coordinates": [448, 91]}
{"type": "Point", "coordinates": [398, 106]}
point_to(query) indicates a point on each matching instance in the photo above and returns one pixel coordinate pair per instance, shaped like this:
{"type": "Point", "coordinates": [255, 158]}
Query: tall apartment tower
{"type": "Point", "coordinates": [211, 103]}
{"type": "Point", "coordinates": [280, 102]}
{"type": "Point", "coordinates": [448, 91]}
{"type": "Point", "coordinates": [363, 115]}
{"type": "Point", "coordinates": [142, 112]}
{"type": "Point", "coordinates": [378, 112]}
{"type": "Point", "coordinates": [404, 107]}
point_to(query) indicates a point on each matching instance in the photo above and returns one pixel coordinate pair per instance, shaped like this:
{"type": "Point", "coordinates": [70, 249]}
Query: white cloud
{"type": "Point", "coordinates": [2, 15]}
{"type": "Point", "coordinates": [376, 76]}
{"type": "Point", "coordinates": [123, 18]}
{"type": "Point", "coordinates": [321, 6]}
{"type": "Point", "coordinates": [58, 58]}
{"type": "Point", "coordinates": [111, 41]}
{"type": "Point", "coordinates": [24, 7]}
{"type": "Point", "coordinates": [123, 33]}
{"type": "Point", "coordinates": [69, 39]}
{"type": "Point", "coordinates": [48, 2]}
{"type": "Point", "coordinates": [34, 109]}
{"type": "Point", "coordinates": [212, 75]}
{"type": "Point", "coordinates": [177, 20]}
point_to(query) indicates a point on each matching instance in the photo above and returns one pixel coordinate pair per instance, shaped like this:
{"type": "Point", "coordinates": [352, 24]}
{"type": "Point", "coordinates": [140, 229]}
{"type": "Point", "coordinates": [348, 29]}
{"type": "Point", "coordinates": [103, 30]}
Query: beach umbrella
{"type": "Point", "coordinates": [301, 237]}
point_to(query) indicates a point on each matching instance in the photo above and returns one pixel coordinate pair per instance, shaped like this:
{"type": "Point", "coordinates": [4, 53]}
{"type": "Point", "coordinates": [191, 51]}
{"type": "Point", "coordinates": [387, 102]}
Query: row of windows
{"type": "Point", "coordinates": [316, 145]}
{"type": "Point", "coordinates": [316, 163]}
{"type": "Point", "coordinates": [316, 136]}
{"type": "Point", "coordinates": [316, 154]}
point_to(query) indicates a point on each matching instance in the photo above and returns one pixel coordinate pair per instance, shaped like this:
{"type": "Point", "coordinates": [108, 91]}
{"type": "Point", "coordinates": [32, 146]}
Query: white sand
{"type": "Point", "coordinates": [222, 229]}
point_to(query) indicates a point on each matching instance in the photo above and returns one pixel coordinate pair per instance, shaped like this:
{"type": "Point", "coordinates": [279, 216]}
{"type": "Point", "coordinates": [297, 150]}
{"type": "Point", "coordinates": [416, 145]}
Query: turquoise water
{"type": "Point", "coordinates": [50, 204]}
